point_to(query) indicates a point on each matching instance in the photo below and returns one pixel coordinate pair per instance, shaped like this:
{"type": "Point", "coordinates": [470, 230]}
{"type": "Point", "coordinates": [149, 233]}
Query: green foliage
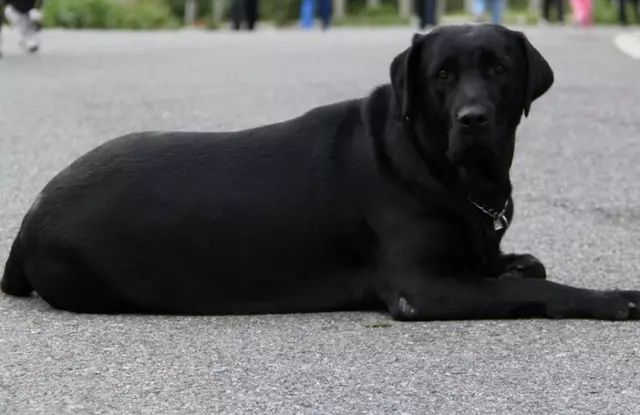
{"type": "Point", "coordinates": [148, 14]}
{"type": "Point", "coordinates": [519, 4]}
{"type": "Point", "coordinates": [108, 14]}
{"type": "Point", "coordinates": [605, 12]}
{"type": "Point", "coordinates": [153, 14]}
{"type": "Point", "coordinates": [281, 12]}
{"type": "Point", "coordinates": [177, 7]}
{"type": "Point", "coordinates": [520, 17]}
{"type": "Point", "coordinates": [385, 15]}
{"type": "Point", "coordinates": [454, 6]}
{"type": "Point", "coordinates": [82, 13]}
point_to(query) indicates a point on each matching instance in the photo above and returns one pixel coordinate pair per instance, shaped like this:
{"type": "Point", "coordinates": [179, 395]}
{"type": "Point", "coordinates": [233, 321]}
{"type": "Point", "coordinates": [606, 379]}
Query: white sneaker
{"type": "Point", "coordinates": [35, 15]}
{"type": "Point", "coordinates": [31, 42]}
{"type": "Point", "coordinates": [13, 16]}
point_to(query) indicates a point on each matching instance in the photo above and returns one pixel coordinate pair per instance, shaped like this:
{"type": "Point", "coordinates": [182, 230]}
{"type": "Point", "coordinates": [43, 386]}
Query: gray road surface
{"type": "Point", "coordinates": [577, 191]}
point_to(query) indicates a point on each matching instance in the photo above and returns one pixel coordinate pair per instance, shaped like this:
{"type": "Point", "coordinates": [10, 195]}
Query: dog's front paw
{"type": "Point", "coordinates": [402, 310]}
{"type": "Point", "coordinates": [633, 302]}
{"type": "Point", "coordinates": [599, 305]}
{"type": "Point", "coordinates": [523, 266]}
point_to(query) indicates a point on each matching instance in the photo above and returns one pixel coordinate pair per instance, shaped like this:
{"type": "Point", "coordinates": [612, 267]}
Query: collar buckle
{"type": "Point", "coordinates": [500, 220]}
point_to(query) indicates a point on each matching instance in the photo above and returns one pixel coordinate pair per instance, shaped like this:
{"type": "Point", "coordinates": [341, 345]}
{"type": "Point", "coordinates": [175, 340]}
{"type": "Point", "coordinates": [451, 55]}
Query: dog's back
{"type": "Point", "coordinates": [252, 221]}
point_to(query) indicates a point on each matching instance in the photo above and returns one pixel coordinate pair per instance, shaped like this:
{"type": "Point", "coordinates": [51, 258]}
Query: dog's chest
{"type": "Point", "coordinates": [467, 245]}
{"type": "Point", "coordinates": [483, 244]}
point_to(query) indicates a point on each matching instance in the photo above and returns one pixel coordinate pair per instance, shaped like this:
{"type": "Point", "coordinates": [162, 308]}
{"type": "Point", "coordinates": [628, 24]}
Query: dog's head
{"type": "Point", "coordinates": [469, 85]}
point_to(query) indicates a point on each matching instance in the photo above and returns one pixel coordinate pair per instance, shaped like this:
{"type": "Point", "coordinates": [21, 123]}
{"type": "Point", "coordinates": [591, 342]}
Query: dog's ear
{"type": "Point", "coordinates": [404, 76]}
{"type": "Point", "coordinates": [539, 74]}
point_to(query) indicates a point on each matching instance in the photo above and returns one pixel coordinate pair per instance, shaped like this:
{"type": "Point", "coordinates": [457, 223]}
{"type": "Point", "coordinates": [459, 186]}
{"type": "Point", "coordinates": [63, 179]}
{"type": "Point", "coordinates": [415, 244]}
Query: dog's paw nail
{"type": "Point", "coordinates": [621, 314]}
{"type": "Point", "coordinates": [405, 307]}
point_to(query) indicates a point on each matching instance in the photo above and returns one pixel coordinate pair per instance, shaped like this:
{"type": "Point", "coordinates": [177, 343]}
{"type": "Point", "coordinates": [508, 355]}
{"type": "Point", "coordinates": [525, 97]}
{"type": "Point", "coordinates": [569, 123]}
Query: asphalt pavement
{"type": "Point", "coordinates": [577, 195]}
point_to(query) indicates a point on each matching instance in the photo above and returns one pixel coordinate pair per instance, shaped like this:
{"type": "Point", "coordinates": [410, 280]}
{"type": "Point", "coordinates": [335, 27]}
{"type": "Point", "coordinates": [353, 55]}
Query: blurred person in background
{"type": "Point", "coordinates": [546, 9]}
{"type": "Point", "coordinates": [244, 11]}
{"type": "Point", "coordinates": [622, 12]}
{"type": "Point", "coordinates": [308, 9]}
{"type": "Point", "coordinates": [26, 17]}
{"type": "Point", "coordinates": [496, 8]}
{"type": "Point", "coordinates": [427, 13]}
{"type": "Point", "coordinates": [582, 12]}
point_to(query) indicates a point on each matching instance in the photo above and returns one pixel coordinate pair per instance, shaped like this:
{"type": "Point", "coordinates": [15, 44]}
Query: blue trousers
{"type": "Point", "coordinates": [427, 13]}
{"type": "Point", "coordinates": [496, 8]}
{"type": "Point", "coordinates": [308, 11]}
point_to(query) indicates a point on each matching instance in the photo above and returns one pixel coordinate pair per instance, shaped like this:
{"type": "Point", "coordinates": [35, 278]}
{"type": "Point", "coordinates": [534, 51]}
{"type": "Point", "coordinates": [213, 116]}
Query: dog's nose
{"type": "Point", "coordinates": [473, 116]}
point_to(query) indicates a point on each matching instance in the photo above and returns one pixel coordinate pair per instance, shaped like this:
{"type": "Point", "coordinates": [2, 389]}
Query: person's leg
{"type": "Point", "coordinates": [17, 13]}
{"type": "Point", "coordinates": [27, 18]}
{"type": "Point", "coordinates": [574, 10]}
{"type": "Point", "coordinates": [636, 9]}
{"type": "Point", "coordinates": [584, 12]}
{"type": "Point", "coordinates": [582, 16]}
{"type": "Point", "coordinates": [430, 13]}
{"type": "Point", "coordinates": [576, 5]}
{"type": "Point", "coordinates": [251, 13]}
{"type": "Point", "coordinates": [546, 6]}
{"type": "Point", "coordinates": [478, 7]}
{"type": "Point", "coordinates": [325, 13]}
{"type": "Point", "coordinates": [560, 5]}
{"type": "Point", "coordinates": [588, 13]}
{"type": "Point", "coordinates": [21, 6]}
{"type": "Point", "coordinates": [497, 9]}
{"type": "Point", "coordinates": [421, 12]}
{"type": "Point", "coordinates": [34, 16]}
{"type": "Point", "coordinates": [622, 13]}
{"type": "Point", "coordinates": [307, 13]}
{"type": "Point", "coordinates": [236, 14]}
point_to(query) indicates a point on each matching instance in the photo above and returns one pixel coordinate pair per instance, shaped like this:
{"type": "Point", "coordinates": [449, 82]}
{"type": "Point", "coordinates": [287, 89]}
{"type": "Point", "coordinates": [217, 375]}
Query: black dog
{"type": "Point", "coordinates": [398, 200]}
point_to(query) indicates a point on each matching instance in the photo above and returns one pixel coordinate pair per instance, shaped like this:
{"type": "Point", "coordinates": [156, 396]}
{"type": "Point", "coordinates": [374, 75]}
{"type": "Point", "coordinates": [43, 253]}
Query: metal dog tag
{"type": "Point", "coordinates": [499, 223]}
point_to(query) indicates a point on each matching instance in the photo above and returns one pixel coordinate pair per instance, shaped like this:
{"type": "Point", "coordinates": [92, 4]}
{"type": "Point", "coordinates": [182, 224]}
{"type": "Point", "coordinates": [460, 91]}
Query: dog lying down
{"type": "Point", "coordinates": [397, 201]}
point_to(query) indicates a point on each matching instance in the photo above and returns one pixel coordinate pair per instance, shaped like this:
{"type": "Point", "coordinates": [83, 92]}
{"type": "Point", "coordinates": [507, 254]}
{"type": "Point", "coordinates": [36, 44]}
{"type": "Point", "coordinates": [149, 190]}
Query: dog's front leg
{"type": "Point", "coordinates": [520, 266]}
{"type": "Point", "coordinates": [415, 296]}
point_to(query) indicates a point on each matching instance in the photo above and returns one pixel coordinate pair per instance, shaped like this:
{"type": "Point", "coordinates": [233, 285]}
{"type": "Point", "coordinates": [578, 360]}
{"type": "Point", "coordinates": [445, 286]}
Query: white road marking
{"type": "Point", "coordinates": [629, 43]}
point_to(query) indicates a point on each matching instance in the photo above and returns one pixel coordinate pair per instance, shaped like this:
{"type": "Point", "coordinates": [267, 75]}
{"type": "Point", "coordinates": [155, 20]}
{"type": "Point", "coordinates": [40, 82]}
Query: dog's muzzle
{"type": "Point", "coordinates": [474, 118]}
{"type": "Point", "coordinates": [471, 130]}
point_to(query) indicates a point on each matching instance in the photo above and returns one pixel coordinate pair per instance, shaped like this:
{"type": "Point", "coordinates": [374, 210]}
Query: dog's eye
{"type": "Point", "coordinates": [499, 69]}
{"type": "Point", "coordinates": [442, 74]}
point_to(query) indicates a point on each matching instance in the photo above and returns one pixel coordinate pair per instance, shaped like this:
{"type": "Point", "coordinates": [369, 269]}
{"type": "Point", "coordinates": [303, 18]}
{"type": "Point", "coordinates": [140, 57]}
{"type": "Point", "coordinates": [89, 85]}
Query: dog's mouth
{"type": "Point", "coordinates": [465, 146]}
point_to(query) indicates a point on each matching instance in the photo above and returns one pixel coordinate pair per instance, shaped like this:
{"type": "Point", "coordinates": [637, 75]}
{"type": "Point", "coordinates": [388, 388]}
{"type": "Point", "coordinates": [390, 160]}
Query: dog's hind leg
{"type": "Point", "coordinates": [14, 279]}
{"type": "Point", "coordinates": [67, 285]}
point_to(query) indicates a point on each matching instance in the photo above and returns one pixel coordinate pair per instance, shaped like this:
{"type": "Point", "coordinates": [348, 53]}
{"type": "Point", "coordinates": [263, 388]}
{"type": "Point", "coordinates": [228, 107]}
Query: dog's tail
{"type": "Point", "coordinates": [14, 281]}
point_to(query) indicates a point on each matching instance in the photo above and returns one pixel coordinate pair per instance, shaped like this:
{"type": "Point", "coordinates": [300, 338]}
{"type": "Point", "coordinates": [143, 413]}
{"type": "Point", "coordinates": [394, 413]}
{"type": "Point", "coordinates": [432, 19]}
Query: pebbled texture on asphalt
{"type": "Point", "coordinates": [577, 199]}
